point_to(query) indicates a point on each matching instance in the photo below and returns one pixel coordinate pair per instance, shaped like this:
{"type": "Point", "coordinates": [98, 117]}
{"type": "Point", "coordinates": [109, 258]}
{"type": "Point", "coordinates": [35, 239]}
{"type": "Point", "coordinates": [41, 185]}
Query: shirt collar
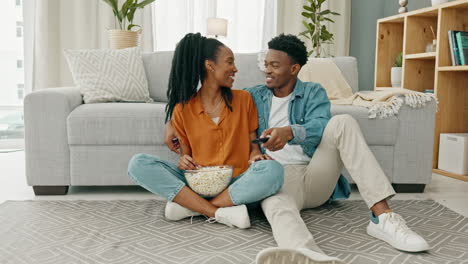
{"type": "Point", "coordinates": [197, 104]}
{"type": "Point", "coordinates": [298, 89]}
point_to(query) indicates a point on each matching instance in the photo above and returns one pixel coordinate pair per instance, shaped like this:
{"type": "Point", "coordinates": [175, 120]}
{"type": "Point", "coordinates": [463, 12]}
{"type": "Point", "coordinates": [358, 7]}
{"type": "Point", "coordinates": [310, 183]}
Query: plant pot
{"type": "Point", "coordinates": [121, 39]}
{"type": "Point", "coordinates": [395, 76]}
{"type": "Point", "coordinates": [438, 2]}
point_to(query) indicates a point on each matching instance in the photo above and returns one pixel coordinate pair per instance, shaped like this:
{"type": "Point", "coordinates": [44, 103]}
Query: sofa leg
{"type": "Point", "coordinates": [50, 190]}
{"type": "Point", "coordinates": [409, 188]}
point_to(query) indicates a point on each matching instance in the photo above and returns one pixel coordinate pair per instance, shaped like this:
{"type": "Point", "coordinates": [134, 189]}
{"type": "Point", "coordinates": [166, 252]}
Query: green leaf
{"type": "Point", "coordinates": [308, 8]}
{"type": "Point", "coordinates": [320, 2]}
{"type": "Point", "coordinates": [307, 26]}
{"type": "Point", "coordinates": [125, 7]}
{"type": "Point", "coordinates": [305, 34]}
{"type": "Point", "coordinates": [313, 3]}
{"type": "Point", "coordinates": [144, 3]}
{"type": "Point", "coordinates": [305, 14]}
{"type": "Point", "coordinates": [325, 34]}
{"type": "Point", "coordinates": [399, 60]}
{"type": "Point", "coordinates": [115, 4]}
{"type": "Point", "coordinates": [325, 12]}
{"type": "Point", "coordinates": [132, 26]}
{"type": "Point", "coordinates": [335, 13]}
{"type": "Point", "coordinates": [131, 12]}
{"type": "Point", "coordinates": [327, 19]}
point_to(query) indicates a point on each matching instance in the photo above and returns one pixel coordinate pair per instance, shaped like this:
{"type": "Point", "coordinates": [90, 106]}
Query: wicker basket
{"type": "Point", "coordinates": [121, 39]}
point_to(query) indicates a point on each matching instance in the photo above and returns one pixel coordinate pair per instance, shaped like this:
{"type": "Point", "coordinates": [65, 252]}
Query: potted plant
{"type": "Point", "coordinates": [124, 36]}
{"type": "Point", "coordinates": [315, 30]}
{"type": "Point", "coordinates": [395, 76]}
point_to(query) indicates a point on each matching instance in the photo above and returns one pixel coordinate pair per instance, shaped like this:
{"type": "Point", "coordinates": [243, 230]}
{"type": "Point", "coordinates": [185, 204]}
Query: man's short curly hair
{"type": "Point", "coordinates": [292, 45]}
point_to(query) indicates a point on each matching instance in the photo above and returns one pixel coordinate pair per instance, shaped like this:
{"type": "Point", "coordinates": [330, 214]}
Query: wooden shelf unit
{"type": "Point", "coordinates": [421, 56]}
{"type": "Point", "coordinates": [453, 68]}
{"type": "Point", "coordinates": [410, 33]}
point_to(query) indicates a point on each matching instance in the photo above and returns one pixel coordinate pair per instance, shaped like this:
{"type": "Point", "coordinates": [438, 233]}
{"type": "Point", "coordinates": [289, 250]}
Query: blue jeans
{"type": "Point", "coordinates": [262, 179]}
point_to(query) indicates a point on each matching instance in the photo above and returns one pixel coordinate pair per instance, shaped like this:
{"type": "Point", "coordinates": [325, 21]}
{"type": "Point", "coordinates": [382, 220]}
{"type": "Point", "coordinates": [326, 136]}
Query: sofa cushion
{"type": "Point", "coordinates": [143, 124]}
{"type": "Point", "coordinates": [109, 75]}
{"type": "Point", "coordinates": [383, 132]}
{"type": "Point", "coordinates": [117, 124]}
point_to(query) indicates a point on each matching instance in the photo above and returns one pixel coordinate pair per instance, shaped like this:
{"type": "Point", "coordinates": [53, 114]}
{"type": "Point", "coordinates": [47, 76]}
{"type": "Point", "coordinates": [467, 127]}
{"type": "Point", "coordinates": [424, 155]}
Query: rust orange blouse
{"type": "Point", "coordinates": [225, 143]}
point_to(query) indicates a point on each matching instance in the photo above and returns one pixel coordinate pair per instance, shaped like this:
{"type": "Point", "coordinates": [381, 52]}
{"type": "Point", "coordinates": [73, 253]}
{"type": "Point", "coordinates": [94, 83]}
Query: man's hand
{"type": "Point", "coordinates": [170, 138]}
{"type": "Point", "coordinates": [279, 137]}
{"type": "Point", "coordinates": [259, 157]}
{"type": "Point", "coordinates": [187, 163]}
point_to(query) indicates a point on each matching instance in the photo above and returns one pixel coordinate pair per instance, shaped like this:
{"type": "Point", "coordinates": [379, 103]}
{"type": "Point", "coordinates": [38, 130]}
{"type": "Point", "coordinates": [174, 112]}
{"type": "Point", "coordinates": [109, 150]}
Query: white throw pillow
{"type": "Point", "coordinates": [105, 75]}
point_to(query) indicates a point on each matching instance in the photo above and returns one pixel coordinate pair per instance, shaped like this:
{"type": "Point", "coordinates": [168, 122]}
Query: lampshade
{"type": "Point", "coordinates": [216, 26]}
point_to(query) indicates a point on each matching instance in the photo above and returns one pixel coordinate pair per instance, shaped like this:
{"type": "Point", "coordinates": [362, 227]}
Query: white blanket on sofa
{"type": "Point", "coordinates": [380, 104]}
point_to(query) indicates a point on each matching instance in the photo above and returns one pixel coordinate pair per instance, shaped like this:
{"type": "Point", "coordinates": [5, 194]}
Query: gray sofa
{"type": "Point", "coordinates": [69, 143]}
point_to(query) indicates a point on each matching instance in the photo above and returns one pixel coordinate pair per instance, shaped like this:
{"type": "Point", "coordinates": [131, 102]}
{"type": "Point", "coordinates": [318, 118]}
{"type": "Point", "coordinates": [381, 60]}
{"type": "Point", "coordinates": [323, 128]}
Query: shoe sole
{"type": "Point", "coordinates": [290, 257]}
{"type": "Point", "coordinates": [372, 232]}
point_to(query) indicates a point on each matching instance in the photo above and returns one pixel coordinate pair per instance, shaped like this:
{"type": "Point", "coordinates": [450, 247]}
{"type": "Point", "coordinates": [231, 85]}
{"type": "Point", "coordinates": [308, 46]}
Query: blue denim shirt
{"type": "Point", "coordinates": [309, 113]}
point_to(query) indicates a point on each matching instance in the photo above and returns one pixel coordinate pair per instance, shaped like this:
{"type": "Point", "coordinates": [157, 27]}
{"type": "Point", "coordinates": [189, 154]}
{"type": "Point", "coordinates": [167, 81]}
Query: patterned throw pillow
{"type": "Point", "coordinates": [105, 75]}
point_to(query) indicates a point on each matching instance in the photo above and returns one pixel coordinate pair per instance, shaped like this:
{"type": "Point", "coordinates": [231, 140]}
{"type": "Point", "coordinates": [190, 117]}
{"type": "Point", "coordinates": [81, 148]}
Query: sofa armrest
{"type": "Point", "coordinates": [414, 146]}
{"type": "Point", "coordinates": [46, 145]}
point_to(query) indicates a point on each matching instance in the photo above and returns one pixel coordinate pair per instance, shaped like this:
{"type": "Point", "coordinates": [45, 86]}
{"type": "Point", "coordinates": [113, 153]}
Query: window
{"type": "Point", "coordinates": [19, 32]}
{"type": "Point", "coordinates": [12, 89]}
{"type": "Point", "coordinates": [250, 23]}
{"type": "Point", "coordinates": [20, 91]}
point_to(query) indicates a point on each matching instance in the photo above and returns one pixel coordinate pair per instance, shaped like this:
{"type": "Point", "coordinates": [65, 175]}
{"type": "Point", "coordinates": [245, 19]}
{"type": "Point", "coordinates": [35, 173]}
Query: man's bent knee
{"type": "Point", "coordinates": [342, 121]}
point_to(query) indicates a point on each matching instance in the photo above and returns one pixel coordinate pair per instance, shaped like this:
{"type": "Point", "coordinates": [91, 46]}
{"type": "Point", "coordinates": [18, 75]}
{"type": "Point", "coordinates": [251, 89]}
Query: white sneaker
{"type": "Point", "coordinates": [291, 256]}
{"type": "Point", "coordinates": [391, 228]}
{"type": "Point", "coordinates": [237, 216]}
{"type": "Point", "coordinates": [176, 212]}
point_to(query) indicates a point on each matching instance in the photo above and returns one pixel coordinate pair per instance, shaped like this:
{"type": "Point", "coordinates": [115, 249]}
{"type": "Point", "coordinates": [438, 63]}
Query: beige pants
{"type": "Point", "coordinates": [309, 186]}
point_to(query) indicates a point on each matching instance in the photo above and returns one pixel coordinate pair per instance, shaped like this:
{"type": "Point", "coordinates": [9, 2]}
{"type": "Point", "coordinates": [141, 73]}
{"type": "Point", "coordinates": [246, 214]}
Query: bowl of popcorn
{"type": "Point", "coordinates": [209, 181]}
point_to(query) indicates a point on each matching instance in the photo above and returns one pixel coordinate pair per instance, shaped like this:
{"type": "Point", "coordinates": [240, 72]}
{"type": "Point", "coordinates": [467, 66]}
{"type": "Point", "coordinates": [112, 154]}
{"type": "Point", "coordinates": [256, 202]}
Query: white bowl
{"type": "Point", "coordinates": [209, 181]}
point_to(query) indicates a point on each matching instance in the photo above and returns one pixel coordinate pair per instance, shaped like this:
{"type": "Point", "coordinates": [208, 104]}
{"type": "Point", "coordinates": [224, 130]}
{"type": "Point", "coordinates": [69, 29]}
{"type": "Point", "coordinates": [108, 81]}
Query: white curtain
{"type": "Point", "coordinates": [290, 22]}
{"type": "Point", "coordinates": [53, 25]}
{"type": "Point", "coordinates": [251, 24]}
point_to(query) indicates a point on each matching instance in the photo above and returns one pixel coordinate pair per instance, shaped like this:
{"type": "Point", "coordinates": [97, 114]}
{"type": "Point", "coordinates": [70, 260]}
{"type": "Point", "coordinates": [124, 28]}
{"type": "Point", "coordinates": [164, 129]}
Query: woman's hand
{"type": "Point", "coordinates": [187, 163]}
{"type": "Point", "coordinates": [259, 157]}
{"type": "Point", "coordinates": [170, 138]}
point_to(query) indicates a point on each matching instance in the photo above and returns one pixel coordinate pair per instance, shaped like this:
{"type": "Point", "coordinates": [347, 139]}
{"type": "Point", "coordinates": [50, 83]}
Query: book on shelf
{"type": "Point", "coordinates": [462, 42]}
{"type": "Point", "coordinates": [453, 47]}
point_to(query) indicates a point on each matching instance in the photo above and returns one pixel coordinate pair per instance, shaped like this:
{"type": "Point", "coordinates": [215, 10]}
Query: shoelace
{"type": "Point", "coordinates": [399, 222]}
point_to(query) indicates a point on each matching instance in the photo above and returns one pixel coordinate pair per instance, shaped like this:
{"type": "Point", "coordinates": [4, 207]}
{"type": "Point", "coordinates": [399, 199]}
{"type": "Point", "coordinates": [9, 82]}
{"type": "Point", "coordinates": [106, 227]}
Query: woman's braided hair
{"type": "Point", "coordinates": [188, 69]}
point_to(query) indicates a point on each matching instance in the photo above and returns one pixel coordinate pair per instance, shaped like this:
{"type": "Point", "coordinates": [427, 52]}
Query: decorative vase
{"type": "Point", "coordinates": [403, 8]}
{"type": "Point", "coordinates": [438, 2]}
{"type": "Point", "coordinates": [121, 39]}
{"type": "Point", "coordinates": [395, 76]}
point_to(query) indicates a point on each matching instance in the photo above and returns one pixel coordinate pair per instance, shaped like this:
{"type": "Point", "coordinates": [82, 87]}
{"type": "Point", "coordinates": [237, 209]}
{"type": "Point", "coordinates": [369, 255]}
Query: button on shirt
{"type": "Point", "coordinates": [224, 143]}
